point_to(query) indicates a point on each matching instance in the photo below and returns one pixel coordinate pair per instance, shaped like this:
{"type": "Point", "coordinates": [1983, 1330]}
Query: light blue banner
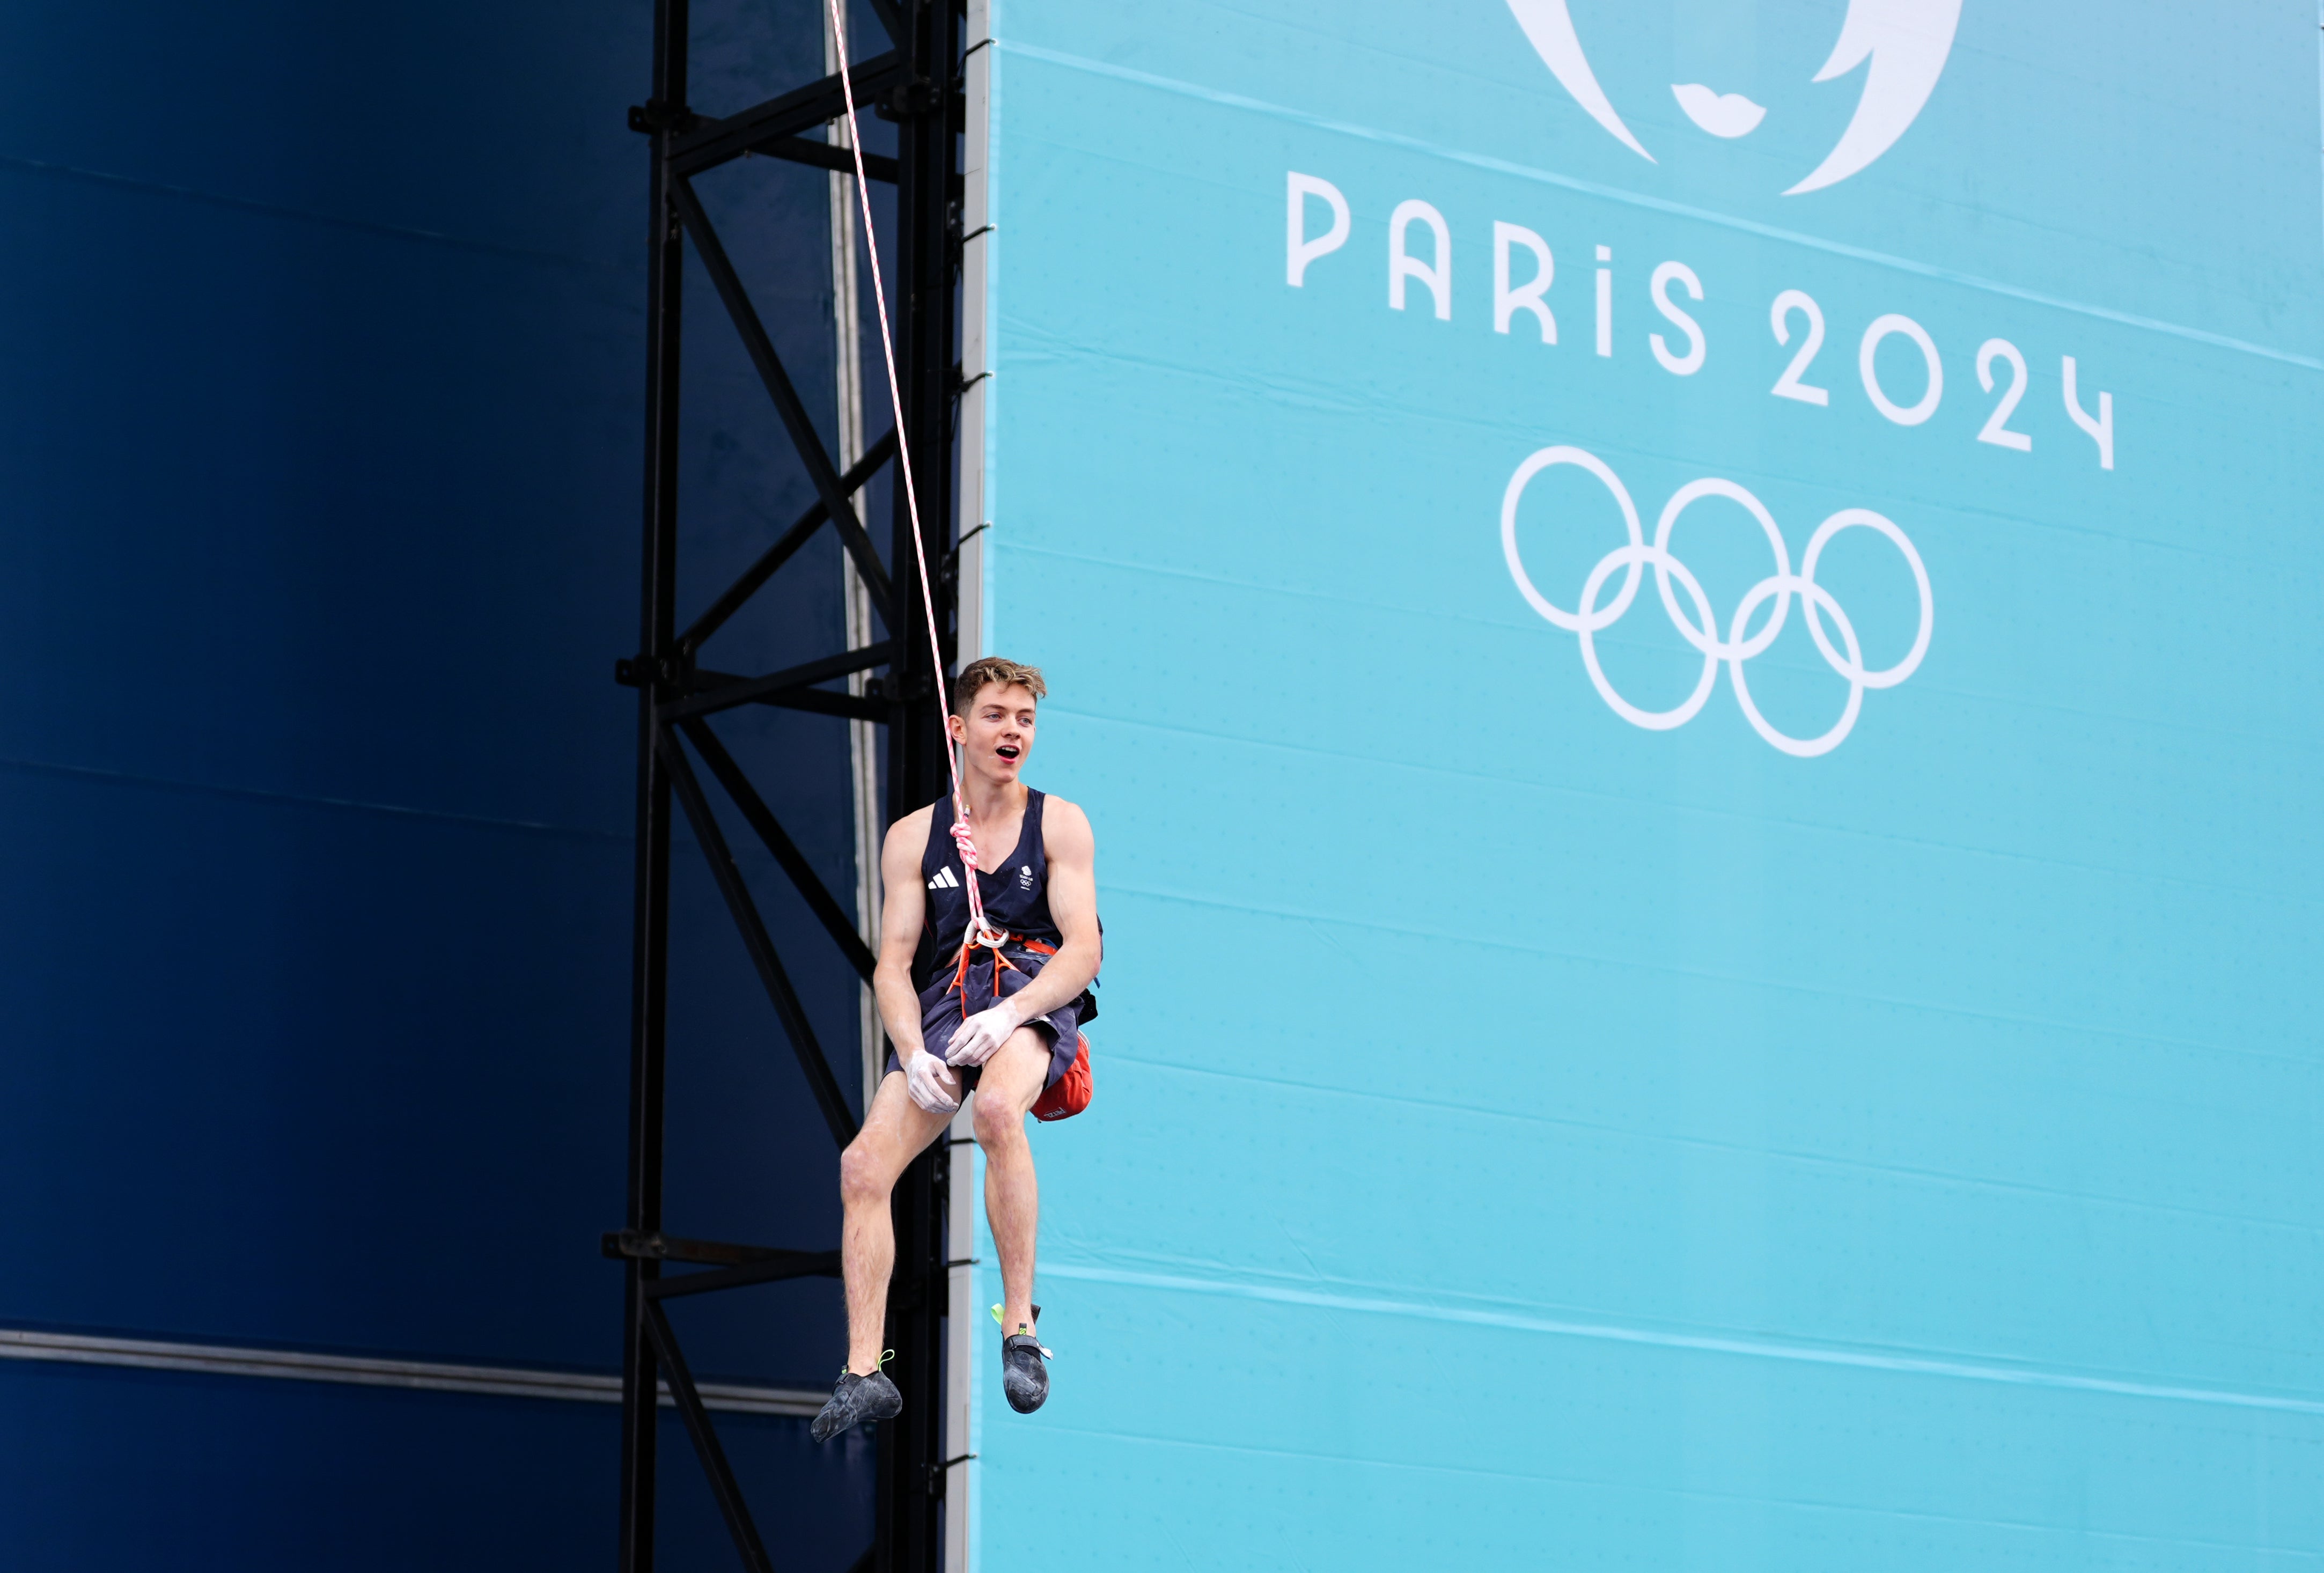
{"type": "Point", "coordinates": [1700, 689]}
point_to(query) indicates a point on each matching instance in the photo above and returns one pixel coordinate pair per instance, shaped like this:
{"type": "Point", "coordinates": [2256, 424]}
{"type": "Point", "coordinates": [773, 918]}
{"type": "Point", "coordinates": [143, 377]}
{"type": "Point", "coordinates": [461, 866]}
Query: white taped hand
{"type": "Point", "coordinates": [932, 1084]}
{"type": "Point", "coordinates": [981, 1036]}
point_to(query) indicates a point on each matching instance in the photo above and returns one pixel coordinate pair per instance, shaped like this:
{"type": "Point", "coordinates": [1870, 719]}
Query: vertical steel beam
{"type": "Point", "coordinates": [910, 1516]}
{"type": "Point", "coordinates": [656, 645]}
{"type": "Point", "coordinates": [927, 157]}
{"type": "Point", "coordinates": [911, 1455]}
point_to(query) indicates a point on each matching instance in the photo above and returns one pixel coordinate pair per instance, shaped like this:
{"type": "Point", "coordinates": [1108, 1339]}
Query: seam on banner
{"type": "Point", "coordinates": [305, 799]}
{"type": "Point", "coordinates": [1700, 1343]}
{"type": "Point", "coordinates": [307, 215]}
{"type": "Point", "coordinates": [1534, 1121]}
{"type": "Point", "coordinates": [2291, 899]}
{"type": "Point", "coordinates": [1594, 1484]}
{"type": "Point", "coordinates": [1659, 204]}
{"type": "Point", "coordinates": [1471, 940]}
{"type": "Point", "coordinates": [275, 1362]}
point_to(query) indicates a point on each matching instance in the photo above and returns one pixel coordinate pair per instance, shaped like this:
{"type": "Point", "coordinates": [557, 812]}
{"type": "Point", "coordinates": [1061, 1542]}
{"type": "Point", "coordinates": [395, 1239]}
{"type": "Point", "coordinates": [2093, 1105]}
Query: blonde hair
{"type": "Point", "coordinates": [993, 669]}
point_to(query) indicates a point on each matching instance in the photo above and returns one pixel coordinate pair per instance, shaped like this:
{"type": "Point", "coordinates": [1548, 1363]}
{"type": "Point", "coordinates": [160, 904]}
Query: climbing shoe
{"type": "Point", "coordinates": [857, 1400]}
{"type": "Point", "coordinates": [1023, 1379]}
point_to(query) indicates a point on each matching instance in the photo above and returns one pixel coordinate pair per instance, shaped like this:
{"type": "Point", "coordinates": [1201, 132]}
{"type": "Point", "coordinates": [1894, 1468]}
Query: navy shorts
{"type": "Point", "coordinates": [942, 1013]}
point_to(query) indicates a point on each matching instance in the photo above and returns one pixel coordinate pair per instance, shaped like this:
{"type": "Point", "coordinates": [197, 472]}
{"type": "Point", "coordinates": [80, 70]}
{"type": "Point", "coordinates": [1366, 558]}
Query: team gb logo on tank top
{"type": "Point", "coordinates": [1907, 42]}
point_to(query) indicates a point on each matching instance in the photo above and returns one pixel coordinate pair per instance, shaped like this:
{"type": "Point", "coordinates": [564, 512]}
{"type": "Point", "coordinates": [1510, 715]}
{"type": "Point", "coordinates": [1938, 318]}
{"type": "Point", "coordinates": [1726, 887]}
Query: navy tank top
{"type": "Point", "coordinates": [1016, 894]}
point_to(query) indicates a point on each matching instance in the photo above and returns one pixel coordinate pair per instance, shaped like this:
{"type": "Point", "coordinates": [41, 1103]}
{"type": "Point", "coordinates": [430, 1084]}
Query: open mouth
{"type": "Point", "coordinates": [1006, 751]}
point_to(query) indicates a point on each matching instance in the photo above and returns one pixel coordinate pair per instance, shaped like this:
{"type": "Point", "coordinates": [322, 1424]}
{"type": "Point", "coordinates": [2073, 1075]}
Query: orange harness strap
{"type": "Point", "coordinates": [971, 944]}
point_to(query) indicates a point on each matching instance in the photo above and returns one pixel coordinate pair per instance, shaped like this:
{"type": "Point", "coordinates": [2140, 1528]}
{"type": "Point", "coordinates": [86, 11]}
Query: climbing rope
{"type": "Point", "coordinates": [980, 931]}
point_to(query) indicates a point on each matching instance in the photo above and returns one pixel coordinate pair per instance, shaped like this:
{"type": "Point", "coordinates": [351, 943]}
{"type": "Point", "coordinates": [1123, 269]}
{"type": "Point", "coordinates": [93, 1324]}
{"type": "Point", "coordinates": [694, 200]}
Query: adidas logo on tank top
{"type": "Point", "coordinates": [945, 880]}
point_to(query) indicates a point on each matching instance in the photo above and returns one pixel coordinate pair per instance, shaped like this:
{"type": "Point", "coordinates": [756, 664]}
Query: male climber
{"type": "Point", "coordinates": [1003, 1020]}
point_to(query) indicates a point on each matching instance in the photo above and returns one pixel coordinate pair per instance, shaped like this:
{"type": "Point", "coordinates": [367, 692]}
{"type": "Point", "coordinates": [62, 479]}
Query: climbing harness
{"type": "Point", "coordinates": [967, 952]}
{"type": "Point", "coordinates": [1071, 1092]}
{"type": "Point", "coordinates": [980, 931]}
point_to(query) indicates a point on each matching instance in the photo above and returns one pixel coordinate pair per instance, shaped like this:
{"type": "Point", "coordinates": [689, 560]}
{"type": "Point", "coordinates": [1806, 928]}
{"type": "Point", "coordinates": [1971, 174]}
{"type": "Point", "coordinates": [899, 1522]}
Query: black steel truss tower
{"type": "Point", "coordinates": [914, 83]}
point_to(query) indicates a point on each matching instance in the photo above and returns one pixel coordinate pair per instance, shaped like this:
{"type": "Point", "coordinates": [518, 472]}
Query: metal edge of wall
{"type": "Point", "coordinates": [974, 525]}
{"type": "Point", "coordinates": [855, 596]}
{"type": "Point", "coordinates": [976, 522]}
{"type": "Point", "coordinates": [961, 1340]}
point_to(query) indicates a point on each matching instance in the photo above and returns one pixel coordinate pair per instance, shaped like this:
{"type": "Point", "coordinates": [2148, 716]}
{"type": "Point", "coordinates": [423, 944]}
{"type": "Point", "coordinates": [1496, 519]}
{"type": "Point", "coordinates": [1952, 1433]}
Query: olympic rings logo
{"type": "Point", "coordinates": [1588, 619]}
